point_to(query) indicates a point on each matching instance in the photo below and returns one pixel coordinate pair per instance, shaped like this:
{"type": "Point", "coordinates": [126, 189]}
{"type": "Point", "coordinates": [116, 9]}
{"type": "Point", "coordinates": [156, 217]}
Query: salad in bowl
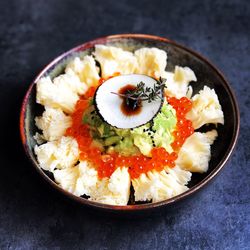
{"type": "Point", "coordinates": [118, 128]}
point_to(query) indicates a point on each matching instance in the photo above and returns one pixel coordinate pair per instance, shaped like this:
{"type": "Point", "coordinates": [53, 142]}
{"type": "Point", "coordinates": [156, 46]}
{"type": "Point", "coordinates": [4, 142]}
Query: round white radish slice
{"type": "Point", "coordinates": [117, 111]}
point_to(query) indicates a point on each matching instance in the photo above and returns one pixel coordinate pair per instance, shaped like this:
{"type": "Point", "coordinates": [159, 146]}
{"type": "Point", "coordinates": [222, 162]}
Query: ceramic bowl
{"type": "Point", "coordinates": [177, 55]}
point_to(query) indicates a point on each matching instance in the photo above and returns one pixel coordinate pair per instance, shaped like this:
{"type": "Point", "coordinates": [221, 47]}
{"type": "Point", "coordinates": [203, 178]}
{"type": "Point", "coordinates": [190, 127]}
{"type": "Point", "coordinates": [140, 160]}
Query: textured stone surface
{"type": "Point", "coordinates": [32, 33]}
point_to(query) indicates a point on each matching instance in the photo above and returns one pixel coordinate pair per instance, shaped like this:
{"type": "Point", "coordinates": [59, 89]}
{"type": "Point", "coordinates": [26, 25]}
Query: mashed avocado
{"type": "Point", "coordinates": [157, 133]}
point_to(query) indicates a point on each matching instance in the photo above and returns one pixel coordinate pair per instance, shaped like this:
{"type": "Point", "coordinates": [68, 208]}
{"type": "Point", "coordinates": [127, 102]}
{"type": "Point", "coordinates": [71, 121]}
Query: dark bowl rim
{"type": "Point", "coordinates": [138, 207]}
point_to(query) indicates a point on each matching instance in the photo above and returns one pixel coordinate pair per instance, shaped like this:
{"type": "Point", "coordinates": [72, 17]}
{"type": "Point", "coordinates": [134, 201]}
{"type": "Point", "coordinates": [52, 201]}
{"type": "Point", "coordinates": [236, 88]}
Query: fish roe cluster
{"type": "Point", "coordinates": [137, 164]}
{"type": "Point", "coordinates": [106, 164]}
{"type": "Point", "coordinates": [184, 126]}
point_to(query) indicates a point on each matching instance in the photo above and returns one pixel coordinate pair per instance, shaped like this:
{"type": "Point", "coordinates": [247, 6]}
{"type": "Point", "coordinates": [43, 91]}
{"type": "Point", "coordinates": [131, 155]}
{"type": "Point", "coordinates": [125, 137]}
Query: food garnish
{"type": "Point", "coordinates": [142, 93]}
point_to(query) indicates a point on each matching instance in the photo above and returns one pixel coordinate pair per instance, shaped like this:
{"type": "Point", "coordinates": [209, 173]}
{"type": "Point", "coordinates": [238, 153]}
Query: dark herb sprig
{"type": "Point", "coordinates": [142, 93]}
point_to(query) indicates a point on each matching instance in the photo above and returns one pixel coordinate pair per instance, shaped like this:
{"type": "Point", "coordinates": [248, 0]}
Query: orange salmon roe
{"type": "Point", "coordinates": [106, 164]}
{"type": "Point", "coordinates": [137, 164]}
{"type": "Point", "coordinates": [184, 126]}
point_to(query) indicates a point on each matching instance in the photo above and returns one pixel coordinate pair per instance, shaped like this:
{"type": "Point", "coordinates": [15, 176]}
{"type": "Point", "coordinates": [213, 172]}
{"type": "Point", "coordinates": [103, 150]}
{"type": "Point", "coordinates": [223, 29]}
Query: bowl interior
{"type": "Point", "coordinates": [177, 55]}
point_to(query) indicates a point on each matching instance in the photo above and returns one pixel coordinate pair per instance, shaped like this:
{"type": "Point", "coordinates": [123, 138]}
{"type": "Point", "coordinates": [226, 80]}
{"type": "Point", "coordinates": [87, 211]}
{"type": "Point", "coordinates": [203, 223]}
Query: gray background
{"type": "Point", "coordinates": [32, 33]}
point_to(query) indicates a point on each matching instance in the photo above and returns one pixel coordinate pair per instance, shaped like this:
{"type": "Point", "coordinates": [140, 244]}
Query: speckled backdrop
{"type": "Point", "coordinates": [32, 216]}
